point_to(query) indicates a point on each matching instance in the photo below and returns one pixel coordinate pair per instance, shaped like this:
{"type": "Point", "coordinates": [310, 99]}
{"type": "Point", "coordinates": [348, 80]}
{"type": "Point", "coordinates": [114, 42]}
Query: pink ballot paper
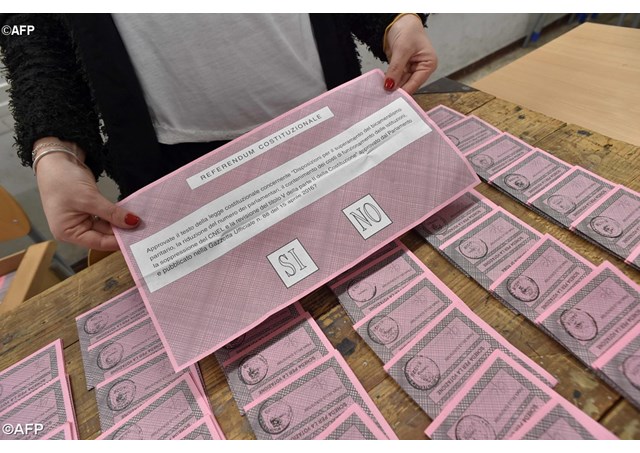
{"type": "Point", "coordinates": [108, 318]}
{"type": "Point", "coordinates": [120, 395]}
{"type": "Point", "coordinates": [120, 351]}
{"type": "Point", "coordinates": [203, 430]}
{"type": "Point", "coordinates": [530, 175]}
{"type": "Point", "coordinates": [255, 225]}
{"type": "Point", "coordinates": [39, 413]}
{"type": "Point", "coordinates": [455, 217]}
{"type": "Point", "coordinates": [498, 399]}
{"type": "Point", "coordinates": [437, 364]}
{"type": "Point", "coordinates": [571, 196]}
{"type": "Point", "coordinates": [614, 223]}
{"type": "Point", "coordinates": [65, 432]}
{"type": "Point", "coordinates": [389, 328]}
{"type": "Point", "coordinates": [279, 356]}
{"type": "Point", "coordinates": [560, 420]}
{"type": "Point", "coordinates": [174, 410]}
{"type": "Point", "coordinates": [596, 314]}
{"type": "Point", "coordinates": [31, 374]}
{"type": "Point", "coordinates": [5, 282]}
{"type": "Point", "coordinates": [470, 132]}
{"type": "Point", "coordinates": [493, 157]}
{"type": "Point", "coordinates": [374, 281]}
{"type": "Point", "coordinates": [353, 424]}
{"type": "Point", "coordinates": [541, 277]}
{"type": "Point", "coordinates": [634, 258]}
{"type": "Point", "coordinates": [305, 405]}
{"type": "Point", "coordinates": [489, 248]}
{"type": "Point", "coordinates": [620, 366]}
{"type": "Point", "coordinates": [236, 347]}
{"type": "Point", "coordinates": [444, 116]}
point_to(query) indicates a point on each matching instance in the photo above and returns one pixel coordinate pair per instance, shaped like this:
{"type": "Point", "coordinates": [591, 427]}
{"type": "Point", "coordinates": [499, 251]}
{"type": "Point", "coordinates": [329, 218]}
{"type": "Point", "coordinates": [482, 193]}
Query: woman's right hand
{"type": "Point", "coordinates": [75, 209]}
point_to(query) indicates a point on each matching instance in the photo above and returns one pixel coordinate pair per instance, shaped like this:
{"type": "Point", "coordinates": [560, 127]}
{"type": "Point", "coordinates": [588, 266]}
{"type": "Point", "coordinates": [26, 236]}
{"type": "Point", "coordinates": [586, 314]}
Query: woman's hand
{"type": "Point", "coordinates": [76, 211]}
{"type": "Point", "coordinates": [411, 56]}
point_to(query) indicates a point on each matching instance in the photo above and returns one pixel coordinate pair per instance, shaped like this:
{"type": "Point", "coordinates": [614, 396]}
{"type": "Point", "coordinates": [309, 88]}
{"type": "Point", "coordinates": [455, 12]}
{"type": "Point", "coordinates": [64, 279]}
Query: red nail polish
{"type": "Point", "coordinates": [389, 84]}
{"type": "Point", "coordinates": [131, 219]}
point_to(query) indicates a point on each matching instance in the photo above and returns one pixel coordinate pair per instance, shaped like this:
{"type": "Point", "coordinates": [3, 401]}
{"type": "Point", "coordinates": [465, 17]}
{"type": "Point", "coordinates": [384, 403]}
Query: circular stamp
{"type": "Point", "coordinates": [422, 372]}
{"type": "Point", "coordinates": [129, 432]}
{"type": "Point", "coordinates": [473, 248]}
{"type": "Point", "coordinates": [474, 427]}
{"type": "Point", "coordinates": [110, 356]}
{"type": "Point", "coordinates": [482, 161]}
{"type": "Point", "coordinates": [435, 224]}
{"type": "Point", "coordinates": [121, 395]}
{"type": "Point", "coordinates": [517, 181]}
{"type": "Point", "coordinates": [606, 226]}
{"type": "Point", "coordinates": [253, 369]}
{"type": "Point", "coordinates": [579, 324]}
{"type": "Point", "coordinates": [383, 329]}
{"type": "Point", "coordinates": [361, 291]}
{"type": "Point", "coordinates": [454, 139]}
{"type": "Point", "coordinates": [275, 416]}
{"type": "Point", "coordinates": [236, 342]}
{"type": "Point", "coordinates": [95, 323]}
{"type": "Point", "coordinates": [560, 203]}
{"type": "Point", "coordinates": [631, 370]}
{"type": "Point", "coordinates": [523, 288]}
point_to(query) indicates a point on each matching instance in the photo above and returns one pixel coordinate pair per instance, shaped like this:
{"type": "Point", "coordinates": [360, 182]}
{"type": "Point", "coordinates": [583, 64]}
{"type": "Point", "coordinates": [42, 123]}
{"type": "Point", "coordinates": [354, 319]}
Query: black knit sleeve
{"type": "Point", "coordinates": [369, 28]}
{"type": "Point", "coordinates": [49, 95]}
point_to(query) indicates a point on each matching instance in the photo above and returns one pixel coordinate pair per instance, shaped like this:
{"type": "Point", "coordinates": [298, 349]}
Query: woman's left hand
{"type": "Point", "coordinates": [412, 58]}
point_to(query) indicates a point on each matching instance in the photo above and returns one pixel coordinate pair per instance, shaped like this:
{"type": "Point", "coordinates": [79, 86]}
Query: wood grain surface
{"type": "Point", "coordinates": [588, 76]}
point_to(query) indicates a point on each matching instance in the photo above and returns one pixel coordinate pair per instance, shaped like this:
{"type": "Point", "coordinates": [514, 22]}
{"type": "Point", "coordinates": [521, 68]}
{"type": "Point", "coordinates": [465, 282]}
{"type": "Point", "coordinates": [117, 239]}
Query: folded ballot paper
{"type": "Point", "coordinates": [35, 398]}
{"type": "Point", "coordinates": [502, 400]}
{"type": "Point", "coordinates": [251, 227]}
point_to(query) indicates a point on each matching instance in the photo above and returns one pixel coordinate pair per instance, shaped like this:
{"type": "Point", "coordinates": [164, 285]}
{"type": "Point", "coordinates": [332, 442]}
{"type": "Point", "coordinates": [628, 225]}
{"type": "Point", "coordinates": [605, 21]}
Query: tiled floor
{"type": "Point", "coordinates": [20, 181]}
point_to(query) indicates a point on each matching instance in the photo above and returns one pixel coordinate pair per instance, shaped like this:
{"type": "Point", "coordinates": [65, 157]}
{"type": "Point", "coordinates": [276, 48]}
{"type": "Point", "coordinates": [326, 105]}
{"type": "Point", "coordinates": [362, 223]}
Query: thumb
{"type": "Point", "coordinates": [395, 71]}
{"type": "Point", "coordinates": [114, 214]}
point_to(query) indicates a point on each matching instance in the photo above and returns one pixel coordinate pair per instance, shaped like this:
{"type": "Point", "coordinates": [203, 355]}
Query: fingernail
{"type": "Point", "coordinates": [389, 84]}
{"type": "Point", "coordinates": [131, 219]}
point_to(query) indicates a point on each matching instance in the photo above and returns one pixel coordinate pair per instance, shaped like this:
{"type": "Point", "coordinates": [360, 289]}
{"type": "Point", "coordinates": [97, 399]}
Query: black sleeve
{"type": "Point", "coordinates": [49, 95]}
{"type": "Point", "coordinates": [369, 28]}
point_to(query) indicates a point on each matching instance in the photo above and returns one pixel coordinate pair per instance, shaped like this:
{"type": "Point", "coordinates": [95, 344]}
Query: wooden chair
{"type": "Point", "coordinates": [96, 255]}
{"type": "Point", "coordinates": [14, 224]}
{"type": "Point", "coordinates": [32, 274]}
{"type": "Point", "coordinates": [26, 273]}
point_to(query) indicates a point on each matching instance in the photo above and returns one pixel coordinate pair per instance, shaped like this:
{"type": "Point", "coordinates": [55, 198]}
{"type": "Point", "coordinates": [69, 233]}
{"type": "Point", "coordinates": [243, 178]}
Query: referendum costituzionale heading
{"type": "Point", "coordinates": [270, 141]}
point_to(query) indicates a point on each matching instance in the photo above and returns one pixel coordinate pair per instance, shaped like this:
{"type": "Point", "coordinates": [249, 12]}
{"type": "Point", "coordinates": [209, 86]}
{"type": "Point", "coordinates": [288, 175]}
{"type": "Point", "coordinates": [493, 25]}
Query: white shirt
{"type": "Point", "coordinates": [212, 77]}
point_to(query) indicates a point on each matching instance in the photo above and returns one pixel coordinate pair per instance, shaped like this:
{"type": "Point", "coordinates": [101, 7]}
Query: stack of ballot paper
{"type": "Point", "coordinates": [373, 281]}
{"type": "Point", "coordinates": [587, 309]}
{"type": "Point", "coordinates": [437, 349]}
{"type": "Point", "coordinates": [502, 400]}
{"type": "Point", "coordinates": [292, 384]}
{"type": "Point", "coordinates": [35, 398]}
{"type": "Point", "coordinates": [250, 228]}
{"type": "Point", "coordinates": [139, 394]}
{"type": "Point", "coordinates": [428, 339]}
{"type": "Point", "coordinates": [620, 366]}
{"type": "Point", "coordinates": [593, 317]}
{"type": "Point", "coordinates": [601, 211]}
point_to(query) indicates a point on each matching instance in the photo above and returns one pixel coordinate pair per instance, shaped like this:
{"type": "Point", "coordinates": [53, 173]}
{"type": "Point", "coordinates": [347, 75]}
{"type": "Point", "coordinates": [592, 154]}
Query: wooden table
{"type": "Point", "coordinates": [588, 76]}
{"type": "Point", "coordinates": [50, 315]}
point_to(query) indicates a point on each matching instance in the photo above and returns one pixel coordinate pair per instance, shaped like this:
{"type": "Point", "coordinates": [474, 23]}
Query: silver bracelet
{"type": "Point", "coordinates": [45, 145]}
{"type": "Point", "coordinates": [57, 150]}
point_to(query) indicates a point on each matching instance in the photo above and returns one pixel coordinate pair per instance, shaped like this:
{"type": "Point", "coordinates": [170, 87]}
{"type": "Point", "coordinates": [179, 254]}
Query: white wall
{"type": "Point", "coordinates": [462, 39]}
